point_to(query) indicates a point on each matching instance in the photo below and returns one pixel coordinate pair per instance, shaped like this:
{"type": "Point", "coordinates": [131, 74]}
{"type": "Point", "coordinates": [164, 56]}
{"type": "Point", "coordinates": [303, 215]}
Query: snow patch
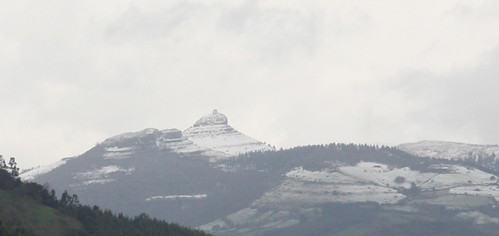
{"type": "Point", "coordinates": [381, 174]}
{"type": "Point", "coordinates": [478, 217]}
{"type": "Point", "coordinates": [32, 174]}
{"type": "Point", "coordinates": [477, 190]}
{"type": "Point", "coordinates": [170, 197]}
{"type": "Point", "coordinates": [458, 176]}
{"type": "Point", "coordinates": [115, 152]}
{"type": "Point", "coordinates": [103, 172]}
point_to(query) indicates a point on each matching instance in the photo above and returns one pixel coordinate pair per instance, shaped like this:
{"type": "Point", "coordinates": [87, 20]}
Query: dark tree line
{"type": "Point", "coordinates": [10, 167]}
{"type": "Point", "coordinates": [94, 220]}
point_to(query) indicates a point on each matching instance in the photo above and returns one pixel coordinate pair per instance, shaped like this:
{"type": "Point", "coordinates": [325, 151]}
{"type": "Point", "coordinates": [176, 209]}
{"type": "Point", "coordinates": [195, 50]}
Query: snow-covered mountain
{"type": "Point", "coordinates": [210, 136]}
{"type": "Point", "coordinates": [197, 178]}
{"type": "Point", "coordinates": [304, 191]}
{"type": "Point", "coordinates": [213, 132]}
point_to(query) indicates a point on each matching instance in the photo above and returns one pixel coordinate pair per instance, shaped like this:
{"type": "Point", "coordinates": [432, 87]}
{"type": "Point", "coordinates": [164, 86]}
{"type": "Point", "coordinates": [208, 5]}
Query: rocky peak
{"type": "Point", "coordinates": [214, 118]}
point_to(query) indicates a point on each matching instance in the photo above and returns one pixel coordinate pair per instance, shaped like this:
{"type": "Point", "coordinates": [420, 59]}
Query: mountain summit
{"type": "Point", "coordinates": [211, 136]}
{"type": "Point", "coordinates": [212, 119]}
{"type": "Point", "coordinates": [214, 132]}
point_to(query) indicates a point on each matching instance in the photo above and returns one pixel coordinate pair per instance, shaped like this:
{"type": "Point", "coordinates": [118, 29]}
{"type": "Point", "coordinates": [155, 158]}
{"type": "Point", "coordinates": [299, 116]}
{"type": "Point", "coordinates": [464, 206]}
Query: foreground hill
{"type": "Point", "coordinates": [30, 209]}
{"type": "Point", "coordinates": [214, 177]}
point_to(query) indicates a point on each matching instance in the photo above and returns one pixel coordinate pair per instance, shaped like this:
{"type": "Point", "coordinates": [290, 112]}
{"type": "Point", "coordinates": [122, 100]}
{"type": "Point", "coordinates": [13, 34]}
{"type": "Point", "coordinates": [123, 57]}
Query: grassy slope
{"type": "Point", "coordinates": [33, 216]}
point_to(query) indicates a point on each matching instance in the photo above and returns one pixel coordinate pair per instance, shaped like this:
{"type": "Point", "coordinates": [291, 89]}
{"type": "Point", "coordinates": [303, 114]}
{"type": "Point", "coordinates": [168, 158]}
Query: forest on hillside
{"type": "Point", "coordinates": [33, 209]}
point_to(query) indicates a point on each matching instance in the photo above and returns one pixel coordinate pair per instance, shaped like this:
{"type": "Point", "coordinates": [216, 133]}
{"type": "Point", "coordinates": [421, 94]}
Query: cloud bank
{"type": "Point", "coordinates": [285, 72]}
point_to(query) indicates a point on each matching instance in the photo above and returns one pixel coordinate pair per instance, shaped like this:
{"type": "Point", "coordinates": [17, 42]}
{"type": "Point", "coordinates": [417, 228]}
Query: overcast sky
{"type": "Point", "coordinates": [287, 72]}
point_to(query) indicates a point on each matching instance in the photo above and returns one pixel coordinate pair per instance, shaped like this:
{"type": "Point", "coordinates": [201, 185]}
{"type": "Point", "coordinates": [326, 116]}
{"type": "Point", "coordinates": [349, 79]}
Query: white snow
{"type": "Point", "coordinates": [130, 135]}
{"type": "Point", "coordinates": [98, 181]}
{"type": "Point", "coordinates": [224, 139]}
{"type": "Point", "coordinates": [293, 192]}
{"type": "Point", "coordinates": [477, 190]}
{"type": "Point", "coordinates": [325, 176]}
{"type": "Point", "coordinates": [32, 174]}
{"type": "Point", "coordinates": [381, 174]}
{"type": "Point", "coordinates": [169, 197]}
{"type": "Point", "coordinates": [247, 219]}
{"type": "Point", "coordinates": [458, 176]}
{"type": "Point", "coordinates": [119, 149]}
{"type": "Point", "coordinates": [371, 181]}
{"type": "Point", "coordinates": [213, 132]}
{"type": "Point", "coordinates": [115, 152]}
{"type": "Point", "coordinates": [478, 217]}
{"type": "Point", "coordinates": [448, 150]}
{"type": "Point", "coordinates": [214, 118]}
{"type": "Point", "coordinates": [103, 172]}
{"type": "Point", "coordinates": [179, 145]}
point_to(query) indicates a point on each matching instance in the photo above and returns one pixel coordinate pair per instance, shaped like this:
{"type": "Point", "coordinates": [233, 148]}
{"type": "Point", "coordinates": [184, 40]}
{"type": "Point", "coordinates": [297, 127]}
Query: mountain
{"type": "Point", "coordinates": [166, 173]}
{"type": "Point", "coordinates": [486, 156]}
{"type": "Point", "coordinates": [30, 209]}
{"type": "Point", "coordinates": [213, 132]}
{"type": "Point", "coordinates": [214, 177]}
{"type": "Point", "coordinates": [338, 189]}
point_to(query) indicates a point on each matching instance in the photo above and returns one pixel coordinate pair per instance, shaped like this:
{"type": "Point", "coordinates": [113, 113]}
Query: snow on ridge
{"type": "Point", "coordinates": [214, 118]}
{"type": "Point", "coordinates": [170, 197]}
{"type": "Point", "coordinates": [213, 132]}
{"type": "Point", "coordinates": [129, 135]}
{"type": "Point", "coordinates": [225, 139]}
{"type": "Point", "coordinates": [32, 174]}
{"type": "Point", "coordinates": [448, 150]}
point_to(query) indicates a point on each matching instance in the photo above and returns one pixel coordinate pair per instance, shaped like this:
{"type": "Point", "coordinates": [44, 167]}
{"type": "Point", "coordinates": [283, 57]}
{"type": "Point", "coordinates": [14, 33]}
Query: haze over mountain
{"type": "Point", "coordinates": [214, 177]}
{"type": "Point", "coordinates": [291, 72]}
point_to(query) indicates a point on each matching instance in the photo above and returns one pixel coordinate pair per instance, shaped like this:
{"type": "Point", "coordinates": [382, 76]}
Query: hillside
{"type": "Point", "coordinates": [31, 209]}
{"type": "Point", "coordinates": [485, 156]}
{"type": "Point", "coordinates": [216, 178]}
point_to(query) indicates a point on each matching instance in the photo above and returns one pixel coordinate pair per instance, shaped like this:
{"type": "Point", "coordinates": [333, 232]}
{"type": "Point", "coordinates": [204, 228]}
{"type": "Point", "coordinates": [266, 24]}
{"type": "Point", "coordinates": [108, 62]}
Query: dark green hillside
{"type": "Point", "coordinates": [31, 209]}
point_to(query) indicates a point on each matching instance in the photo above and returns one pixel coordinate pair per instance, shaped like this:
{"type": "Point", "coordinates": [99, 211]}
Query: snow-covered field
{"type": "Point", "coordinates": [370, 181]}
{"type": "Point", "coordinates": [382, 175]}
{"type": "Point", "coordinates": [458, 176]}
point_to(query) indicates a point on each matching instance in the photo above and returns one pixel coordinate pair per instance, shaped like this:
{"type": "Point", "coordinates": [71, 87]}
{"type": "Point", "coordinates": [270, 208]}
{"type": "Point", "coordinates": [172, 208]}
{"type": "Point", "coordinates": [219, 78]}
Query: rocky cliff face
{"type": "Point", "coordinates": [213, 132]}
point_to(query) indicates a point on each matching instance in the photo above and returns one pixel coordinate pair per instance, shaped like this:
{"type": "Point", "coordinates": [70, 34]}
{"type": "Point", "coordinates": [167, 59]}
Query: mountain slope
{"type": "Point", "coordinates": [213, 132]}
{"type": "Point", "coordinates": [448, 150]}
{"type": "Point", "coordinates": [205, 177]}
{"type": "Point", "coordinates": [29, 209]}
{"type": "Point", "coordinates": [166, 173]}
{"type": "Point", "coordinates": [390, 182]}
{"type": "Point", "coordinates": [483, 155]}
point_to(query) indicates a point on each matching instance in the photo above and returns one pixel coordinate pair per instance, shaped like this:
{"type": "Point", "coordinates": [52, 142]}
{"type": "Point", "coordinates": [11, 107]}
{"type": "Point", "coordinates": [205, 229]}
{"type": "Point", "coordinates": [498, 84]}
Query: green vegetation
{"type": "Point", "coordinates": [31, 209]}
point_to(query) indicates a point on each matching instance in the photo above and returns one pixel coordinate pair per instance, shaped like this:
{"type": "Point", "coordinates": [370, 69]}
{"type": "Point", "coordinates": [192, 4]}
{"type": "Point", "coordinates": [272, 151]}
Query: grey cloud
{"type": "Point", "coordinates": [460, 106]}
{"type": "Point", "coordinates": [286, 72]}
